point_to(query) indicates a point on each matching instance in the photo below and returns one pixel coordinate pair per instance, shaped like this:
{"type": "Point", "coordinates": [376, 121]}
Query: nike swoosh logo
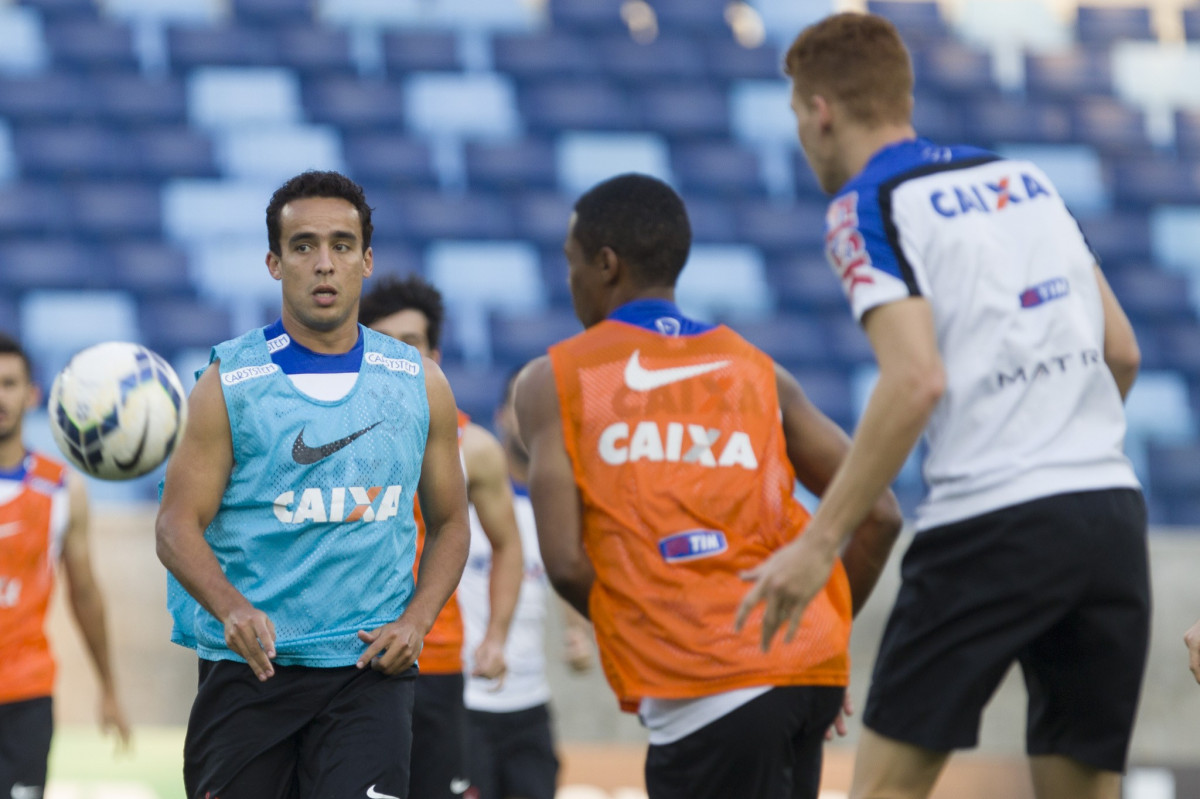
{"type": "Point", "coordinates": [639, 378]}
{"type": "Point", "coordinates": [305, 455]}
{"type": "Point", "coordinates": [11, 528]}
{"type": "Point", "coordinates": [128, 465]}
{"type": "Point", "coordinates": [371, 792]}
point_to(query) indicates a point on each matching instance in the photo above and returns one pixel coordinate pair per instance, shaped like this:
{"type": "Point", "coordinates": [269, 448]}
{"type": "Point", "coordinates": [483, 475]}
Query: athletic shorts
{"type": "Point", "coordinates": [512, 754]}
{"type": "Point", "coordinates": [439, 732]}
{"type": "Point", "coordinates": [25, 730]}
{"type": "Point", "coordinates": [1060, 585]}
{"type": "Point", "coordinates": [306, 733]}
{"type": "Point", "coordinates": [769, 748]}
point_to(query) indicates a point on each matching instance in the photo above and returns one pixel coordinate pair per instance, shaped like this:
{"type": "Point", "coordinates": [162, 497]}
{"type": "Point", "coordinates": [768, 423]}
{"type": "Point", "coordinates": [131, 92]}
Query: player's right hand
{"type": "Point", "coordinates": [1192, 639]}
{"type": "Point", "coordinates": [250, 633]}
{"type": "Point", "coordinates": [391, 648]}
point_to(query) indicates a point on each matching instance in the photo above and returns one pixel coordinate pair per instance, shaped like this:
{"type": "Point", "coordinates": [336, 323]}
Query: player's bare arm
{"type": "Point", "coordinates": [1121, 351]}
{"type": "Point", "coordinates": [911, 383]}
{"type": "Point", "coordinates": [489, 490]}
{"type": "Point", "coordinates": [816, 447]}
{"type": "Point", "coordinates": [1191, 639]}
{"type": "Point", "coordinates": [87, 606]}
{"type": "Point", "coordinates": [196, 479]}
{"type": "Point", "coordinates": [552, 488]}
{"type": "Point", "coordinates": [442, 493]}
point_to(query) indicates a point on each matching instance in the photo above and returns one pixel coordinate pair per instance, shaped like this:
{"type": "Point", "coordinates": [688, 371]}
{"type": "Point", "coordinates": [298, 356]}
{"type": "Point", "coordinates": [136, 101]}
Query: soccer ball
{"type": "Point", "coordinates": [117, 410]}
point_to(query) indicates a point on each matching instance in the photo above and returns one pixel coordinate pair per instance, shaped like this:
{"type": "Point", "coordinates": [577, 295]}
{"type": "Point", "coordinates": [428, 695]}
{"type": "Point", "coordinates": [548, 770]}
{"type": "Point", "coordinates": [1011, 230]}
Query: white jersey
{"type": "Point", "coordinates": [1030, 407]}
{"type": "Point", "coordinates": [525, 685]}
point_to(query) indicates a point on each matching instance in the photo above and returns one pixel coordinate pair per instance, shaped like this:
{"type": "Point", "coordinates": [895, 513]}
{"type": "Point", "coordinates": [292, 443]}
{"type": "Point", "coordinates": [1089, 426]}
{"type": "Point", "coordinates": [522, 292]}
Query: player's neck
{"type": "Point", "coordinates": [625, 294]}
{"type": "Point", "coordinates": [327, 342]}
{"type": "Point", "coordinates": [860, 144]}
{"type": "Point", "coordinates": [12, 450]}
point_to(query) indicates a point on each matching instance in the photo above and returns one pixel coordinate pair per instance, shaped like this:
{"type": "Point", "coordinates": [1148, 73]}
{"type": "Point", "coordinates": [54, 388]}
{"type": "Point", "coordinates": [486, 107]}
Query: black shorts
{"type": "Point", "coordinates": [512, 754]}
{"type": "Point", "coordinates": [1059, 584]}
{"type": "Point", "coordinates": [306, 733]}
{"type": "Point", "coordinates": [769, 748]}
{"type": "Point", "coordinates": [25, 731]}
{"type": "Point", "coordinates": [439, 749]}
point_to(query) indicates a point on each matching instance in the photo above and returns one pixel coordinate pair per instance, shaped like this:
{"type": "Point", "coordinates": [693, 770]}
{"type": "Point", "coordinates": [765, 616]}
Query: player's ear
{"type": "Point", "coordinates": [368, 262]}
{"type": "Point", "coordinates": [823, 111]}
{"type": "Point", "coordinates": [610, 264]}
{"type": "Point", "coordinates": [273, 265]}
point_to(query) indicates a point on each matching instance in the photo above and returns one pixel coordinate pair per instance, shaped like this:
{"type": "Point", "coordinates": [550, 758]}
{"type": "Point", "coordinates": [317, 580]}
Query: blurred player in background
{"type": "Point", "coordinates": [996, 333]}
{"type": "Point", "coordinates": [43, 523]}
{"type": "Point", "coordinates": [412, 311]}
{"type": "Point", "coordinates": [511, 741]}
{"type": "Point", "coordinates": [1192, 641]}
{"type": "Point", "coordinates": [286, 515]}
{"type": "Point", "coordinates": [664, 454]}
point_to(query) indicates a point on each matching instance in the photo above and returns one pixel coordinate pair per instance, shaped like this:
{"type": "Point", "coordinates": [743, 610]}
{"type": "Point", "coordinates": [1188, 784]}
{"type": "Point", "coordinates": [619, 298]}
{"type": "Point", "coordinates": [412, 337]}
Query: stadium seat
{"type": "Point", "coordinates": [198, 210]}
{"type": "Point", "coordinates": [73, 151]}
{"type": "Point", "coordinates": [1158, 409]}
{"type": "Point", "coordinates": [760, 112]}
{"type": "Point", "coordinates": [174, 152]}
{"type": "Point", "coordinates": [1191, 24]}
{"type": "Point", "coordinates": [519, 338]}
{"type": "Point", "coordinates": [727, 281]}
{"type": "Point", "coordinates": [172, 324]}
{"type": "Point", "coordinates": [586, 16]}
{"type": "Point", "coordinates": [138, 100]}
{"type": "Point", "coordinates": [150, 268]}
{"type": "Point", "coordinates": [1149, 292]}
{"type": "Point", "coordinates": [693, 17]}
{"type": "Point", "coordinates": [684, 111]}
{"type": "Point", "coordinates": [668, 57]}
{"type": "Point", "coordinates": [1104, 25]}
{"type": "Point", "coordinates": [1154, 180]}
{"type": "Point", "coordinates": [52, 10]}
{"type": "Point", "coordinates": [315, 50]}
{"type": "Point", "coordinates": [51, 263]}
{"type": "Point", "coordinates": [558, 104]}
{"type": "Point", "coordinates": [34, 209]}
{"type": "Point", "coordinates": [420, 51]}
{"type": "Point", "coordinates": [1175, 238]}
{"type": "Point", "coordinates": [45, 97]}
{"type": "Point", "coordinates": [88, 44]}
{"type": "Point", "coordinates": [268, 12]}
{"type": "Point", "coordinates": [376, 14]}
{"type": "Point", "coordinates": [585, 159]}
{"type": "Point", "coordinates": [1066, 74]}
{"type": "Point", "coordinates": [1075, 169]}
{"type": "Point", "coordinates": [519, 164]}
{"type": "Point", "coordinates": [8, 157]}
{"type": "Point", "coordinates": [788, 338]}
{"type": "Point", "coordinates": [399, 161]}
{"type": "Point", "coordinates": [117, 210]}
{"type": "Point", "coordinates": [486, 18]}
{"type": "Point", "coordinates": [918, 22]}
{"type": "Point", "coordinates": [436, 215]}
{"type": "Point", "coordinates": [1012, 26]}
{"type": "Point", "coordinates": [994, 120]}
{"type": "Point", "coordinates": [477, 388]}
{"type": "Point", "coordinates": [167, 11]}
{"type": "Point", "coordinates": [778, 226]}
{"type": "Point", "coordinates": [1109, 125]}
{"type": "Point", "coordinates": [23, 48]}
{"type": "Point", "coordinates": [549, 52]}
{"type": "Point", "coordinates": [10, 319]}
{"type": "Point", "coordinates": [727, 60]}
{"type": "Point", "coordinates": [937, 118]}
{"type": "Point", "coordinates": [716, 167]}
{"type": "Point", "coordinates": [231, 96]}
{"type": "Point", "coordinates": [355, 103]}
{"type": "Point", "coordinates": [712, 219]}
{"type": "Point", "coordinates": [954, 69]}
{"type": "Point", "coordinates": [225, 45]}
{"type": "Point", "coordinates": [1157, 77]}
{"type": "Point", "coordinates": [805, 283]}
{"type": "Point", "coordinates": [56, 324]}
{"type": "Point", "coordinates": [475, 105]}
{"type": "Point", "coordinates": [1174, 470]}
{"type": "Point", "coordinates": [846, 338]}
{"type": "Point", "coordinates": [393, 256]}
{"type": "Point", "coordinates": [1187, 134]}
{"type": "Point", "coordinates": [277, 152]}
{"type": "Point", "coordinates": [829, 389]}
{"type": "Point", "coordinates": [1118, 237]}
{"type": "Point", "coordinates": [1181, 342]}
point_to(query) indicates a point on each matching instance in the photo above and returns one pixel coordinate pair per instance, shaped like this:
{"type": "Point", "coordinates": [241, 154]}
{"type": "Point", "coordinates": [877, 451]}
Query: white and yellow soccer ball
{"type": "Point", "coordinates": [117, 410]}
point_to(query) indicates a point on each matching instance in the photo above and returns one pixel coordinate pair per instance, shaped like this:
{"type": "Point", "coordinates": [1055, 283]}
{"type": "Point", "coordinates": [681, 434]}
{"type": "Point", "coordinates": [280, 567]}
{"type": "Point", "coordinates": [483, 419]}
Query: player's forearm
{"type": "Point", "coordinates": [441, 568]}
{"type": "Point", "coordinates": [184, 552]}
{"type": "Point", "coordinates": [87, 606]}
{"type": "Point", "coordinates": [504, 586]}
{"type": "Point", "coordinates": [893, 420]}
{"type": "Point", "coordinates": [573, 582]}
{"type": "Point", "coordinates": [870, 545]}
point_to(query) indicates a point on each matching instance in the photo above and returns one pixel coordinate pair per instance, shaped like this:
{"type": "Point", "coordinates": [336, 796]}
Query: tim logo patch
{"type": "Point", "coordinates": [692, 544]}
{"type": "Point", "coordinates": [1052, 289]}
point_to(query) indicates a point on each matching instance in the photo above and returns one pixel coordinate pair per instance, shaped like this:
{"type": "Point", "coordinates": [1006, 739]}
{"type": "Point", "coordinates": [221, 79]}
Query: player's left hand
{"type": "Point", "coordinates": [489, 661]}
{"type": "Point", "coordinates": [785, 582]}
{"type": "Point", "coordinates": [391, 648]}
{"type": "Point", "coordinates": [112, 720]}
{"type": "Point", "coordinates": [1192, 639]}
{"type": "Point", "coordinates": [839, 724]}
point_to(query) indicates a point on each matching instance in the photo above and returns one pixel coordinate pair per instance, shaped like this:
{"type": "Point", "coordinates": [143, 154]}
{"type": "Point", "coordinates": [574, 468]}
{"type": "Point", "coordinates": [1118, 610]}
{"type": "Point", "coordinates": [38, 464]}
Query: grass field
{"type": "Point", "coordinates": [83, 765]}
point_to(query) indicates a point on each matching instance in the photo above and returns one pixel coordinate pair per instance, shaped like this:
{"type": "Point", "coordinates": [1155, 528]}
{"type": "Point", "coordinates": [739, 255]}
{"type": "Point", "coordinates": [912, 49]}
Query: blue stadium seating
{"type": "Point", "coordinates": [779, 226]}
{"type": "Point", "coordinates": [200, 210]}
{"type": "Point", "coordinates": [585, 159]}
{"type": "Point", "coordinates": [542, 217]}
{"type": "Point", "coordinates": [355, 104]}
{"type": "Point", "coordinates": [511, 165]}
{"type": "Point", "coordinates": [1118, 238]}
{"type": "Point", "coordinates": [277, 152]}
{"type": "Point", "coordinates": [22, 42]}
{"type": "Point", "coordinates": [586, 15]}
{"type": "Point", "coordinates": [433, 215]}
{"type": "Point", "coordinates": [712, 219]}
{"type": "Point", "coordinates": [918, 22]}
{"type": "Point", "coordinates": [727, 60]}
{"type": "Point", "coordinates": [682, 111]}
{"type": "Point", "coordinates": [468, 105]}
{"type": "Point", "coordinates": [716, 167]}
{"type": "Point", "coordinates": [665, 58]}
{"type": "Point", "coordinates": [1181, 344]}
{"type": "Point", "coordinates": [56, 9]}
{"type": "Point", "coordinates": [223, 46]}
{"type": "Point", "coordinates": [694, 17]}
{"type": "Point", "coordinates": [314, 50]}
{"type": "Point", "coordinates": [477, 389]}
{"type": "Point", "coordinates": [1187, 133]}
{"type": "Point", "coordinates": [1109, 125]}
{"type": "Point", "coordinates": [420, 51]}
{"type": "Point", "coordinates": [117, 210]}
{"type": "Point", "coordinates": [792, 340]}
{"type": "Point", "coordinates": [554, 105]}
{"type": "Point", "coordinates": [73, 151]}
{"type": "Point", "coordinates": [173, 152]}
{"type": "Point", "coordinates": [150, 268]}
{"type": "Point", "coordinates": [30, 209]}
{"type": "Point", "coordinates": [172, 324]}
{"type": "Point", "coordinates": [267, 12]}
{"type": "Point", "coordinates": [1103, 25]}
{"type": "Point", "coordinates": [55, 263]}
{"type": "Point", "coordinates": [393, 256]}
{"type": "Point", "coordinates": [90, 44]}
{"type": "Point", "coordinates": [550, 52]}
{"type": "Point", "coordinates": [376, 157]}
{"type": "Point", "coordinates": [1146, 292]}
{"type": "Point", "coordinates": [519, 338]}
{"type": "Point", "coordinates": [138, 100]}
{"type": "Point", "coordinates": [993, 120]}
{"type": "Point", "coordinates": [10, 319]}
{"type": "Point", "coordinates": [234, 96]}
{"type": "Point", "coordinates": [829, 389]}
{"type": "Point", "coordinates": [1067, 74]}
{"type": "Point", "coordinates": [1175, 238]}
{"type": "Point", "coordinates": [1191, 24]}
{"type": "Point", "coordinates": [847, 339]}
{"type": "Point", "coordinates": [724, 281]}
{"type": "Point", "coordinates": [56, 324]}
{"type": "Point", "coordinates": [938, 118]}
{"type": "Point", "coordinates": [45, 97]}
{"type": "Point", "coordinates": [1154, 180]}
{"type": "Point", "coordinates": [806, 283]}
{"type": "Point", "coordinates": [954, 69]}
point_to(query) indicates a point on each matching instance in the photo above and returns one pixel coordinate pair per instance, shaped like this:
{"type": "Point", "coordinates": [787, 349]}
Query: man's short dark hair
{"type": "Point", "coordinates": [10, 346]}
{"type": "Point", "coordinates": [317, 184]}
{"type": "Point", "coordinates": [642, 220]}
{"type": "Point", "coordinates": [392, 294]}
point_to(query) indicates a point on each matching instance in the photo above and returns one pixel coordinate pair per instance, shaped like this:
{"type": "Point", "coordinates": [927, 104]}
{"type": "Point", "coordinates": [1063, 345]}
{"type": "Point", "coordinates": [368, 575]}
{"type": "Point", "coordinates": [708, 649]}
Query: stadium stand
{"type": "Point", "coordinates": [140, 140]}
